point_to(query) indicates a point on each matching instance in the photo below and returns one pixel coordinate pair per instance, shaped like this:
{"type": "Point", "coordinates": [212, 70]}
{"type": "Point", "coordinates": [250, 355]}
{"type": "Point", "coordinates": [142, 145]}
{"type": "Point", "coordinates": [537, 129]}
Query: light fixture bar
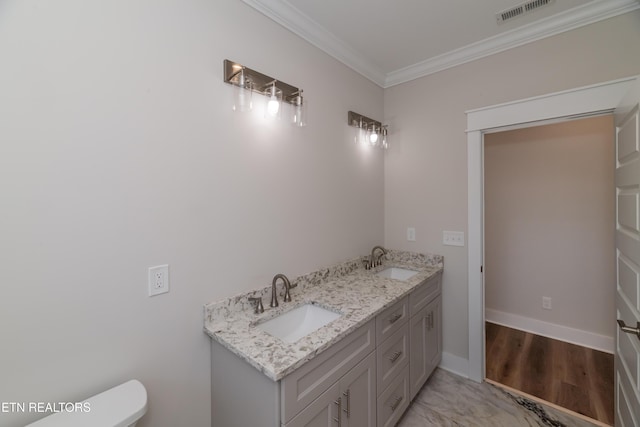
{"type": "Point", "coordinates": [370, 132]}
{"type": "Point", "coordinates": [260, 83]}
{"type": "Point", "coordinates": [358, 120]}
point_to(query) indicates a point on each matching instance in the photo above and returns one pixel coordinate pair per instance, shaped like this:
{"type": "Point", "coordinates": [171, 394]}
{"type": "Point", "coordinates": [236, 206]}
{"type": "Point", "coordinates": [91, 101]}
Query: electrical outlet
{"type": "Point", "coordinates": [158, 280]}
{"type": "Point", "coordinates": [411, 234]}
{"type": "Point", "coordinates": [546, 303]}
{"type": "Point", "coordinates": [453, 238]}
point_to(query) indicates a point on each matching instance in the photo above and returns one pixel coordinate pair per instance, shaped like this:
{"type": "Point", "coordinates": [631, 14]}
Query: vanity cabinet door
{"type": "Point", "coordinates": [418, 331]}
{"type": "Point", "coordinates": [358, 390]}
{"type": "Point", "coordinates": [322, 412]}
{"type": "Point", "coordinates": [434, 338]}
{"type": "Point", "coordinates": [307, 383]}
{"type": "Point", "coordinates": [350, 402]}
{"type": "Point", "coordinates": [425, 344]}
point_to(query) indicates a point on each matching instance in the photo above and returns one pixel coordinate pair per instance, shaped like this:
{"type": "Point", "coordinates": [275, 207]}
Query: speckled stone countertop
{"type": "Point", "coordinates": [347, 288]}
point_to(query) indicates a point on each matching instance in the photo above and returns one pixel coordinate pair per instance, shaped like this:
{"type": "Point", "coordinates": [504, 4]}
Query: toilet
{"type": "Point", "coordinates": [121, 406]}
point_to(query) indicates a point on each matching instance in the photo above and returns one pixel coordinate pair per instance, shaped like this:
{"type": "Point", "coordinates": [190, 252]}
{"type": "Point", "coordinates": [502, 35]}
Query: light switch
{"type": "Point", "coordinates": [453, 238]}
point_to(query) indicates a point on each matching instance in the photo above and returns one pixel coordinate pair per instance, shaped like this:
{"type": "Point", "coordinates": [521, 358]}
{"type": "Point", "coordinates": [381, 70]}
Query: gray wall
{"type": "Point", "coordinates": [119, 151]}
{"type": "Point", "coordinates": [549, 213]}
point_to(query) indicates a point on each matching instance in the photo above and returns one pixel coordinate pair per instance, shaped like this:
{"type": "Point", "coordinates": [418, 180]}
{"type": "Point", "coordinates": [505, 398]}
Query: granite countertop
{"type": "Point", "coordinates": [347, 288]}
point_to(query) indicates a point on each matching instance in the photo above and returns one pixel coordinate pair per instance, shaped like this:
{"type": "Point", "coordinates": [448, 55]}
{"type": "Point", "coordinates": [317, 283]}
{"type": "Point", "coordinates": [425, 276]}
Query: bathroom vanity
{"type": "Point", "coordinates": [361, 369]}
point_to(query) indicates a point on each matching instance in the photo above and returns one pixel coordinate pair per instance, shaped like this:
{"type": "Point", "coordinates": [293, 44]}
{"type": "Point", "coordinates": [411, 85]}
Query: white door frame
{"type": "Point", "coordinates": [565, 105]}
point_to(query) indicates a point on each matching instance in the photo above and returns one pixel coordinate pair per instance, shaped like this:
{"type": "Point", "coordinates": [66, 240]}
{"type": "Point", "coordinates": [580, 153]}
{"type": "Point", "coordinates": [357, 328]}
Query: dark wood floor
{"type": "Point", "coordinates": [570, 376]}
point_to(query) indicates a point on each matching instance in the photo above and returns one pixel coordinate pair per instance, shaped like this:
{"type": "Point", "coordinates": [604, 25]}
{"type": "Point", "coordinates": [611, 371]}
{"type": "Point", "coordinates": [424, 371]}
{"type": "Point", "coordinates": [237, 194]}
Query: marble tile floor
{"type": "Point", "coordinates": [452, 401]}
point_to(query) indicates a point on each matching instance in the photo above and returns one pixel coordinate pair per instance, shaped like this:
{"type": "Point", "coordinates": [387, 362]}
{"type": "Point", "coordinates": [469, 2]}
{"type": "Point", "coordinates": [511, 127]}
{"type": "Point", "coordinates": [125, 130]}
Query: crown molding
{"type": "Point", "coordinates": [589, 13]}
{"type": "Point", "coordinates": [300, 24]}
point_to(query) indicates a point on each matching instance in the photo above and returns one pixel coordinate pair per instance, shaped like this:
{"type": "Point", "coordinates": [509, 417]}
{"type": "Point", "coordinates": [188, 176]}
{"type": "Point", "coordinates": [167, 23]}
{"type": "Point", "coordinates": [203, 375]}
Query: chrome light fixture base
{"type": "Point", "coordinates": [358, 120]}
{"type": "Point", "coordinates": [260, 83]}
{"type": "Point", "coordinates": [369, 131]}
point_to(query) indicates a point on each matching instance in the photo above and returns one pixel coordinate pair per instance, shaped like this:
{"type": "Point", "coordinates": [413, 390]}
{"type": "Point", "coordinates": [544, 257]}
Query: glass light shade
{"type": "Point", "coordinates": [384, 143]}
{"type": "Point", "coordinates": [367, 137]}
{"type": "Point", "coordinates": [373, 136]}
{"type": "Point", "coordinates": [242, 94]}
{"type": "Point", "coordinates": [242, 99]}
{"type": "Point", "coordinates": [360, 136]}
{"type": "Point", "coordinates": [273, 104]}
{"type": "Point", "coordinates": [299, 111]}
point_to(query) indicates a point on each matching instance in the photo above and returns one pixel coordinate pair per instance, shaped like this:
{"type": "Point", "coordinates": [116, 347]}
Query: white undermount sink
{"type": "Point", "coordinates": [397, 273]}
{"type": "Point", "coordinates": [299, 322]}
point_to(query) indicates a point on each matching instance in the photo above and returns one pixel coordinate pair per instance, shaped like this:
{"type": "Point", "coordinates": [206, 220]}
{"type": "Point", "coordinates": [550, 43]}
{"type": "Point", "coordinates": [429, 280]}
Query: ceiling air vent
{"type": "Point", "coordinates": [521, 9]}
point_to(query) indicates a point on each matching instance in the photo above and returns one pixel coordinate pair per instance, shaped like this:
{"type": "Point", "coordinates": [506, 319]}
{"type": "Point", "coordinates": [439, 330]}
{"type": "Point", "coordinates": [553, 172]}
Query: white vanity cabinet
{"type": "Point", "coordinates": [366, 379]}
{"type": "Point", "coordinates": [425, 332]}
{"type": "Point", "coordinates": [337, 388]}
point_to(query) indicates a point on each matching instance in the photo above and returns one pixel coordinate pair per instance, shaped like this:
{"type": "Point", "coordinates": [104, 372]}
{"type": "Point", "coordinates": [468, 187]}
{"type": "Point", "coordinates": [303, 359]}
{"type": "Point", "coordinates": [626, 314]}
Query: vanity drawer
{"type": "Point", "coordinates": [394, 400]}
{"type": "Point", "coordinates": [302, 386]}
{"type": "Point", "coordinates": [391, 319]}
{"type": "Point", "coordinates": [392, 355]}
{"type": "Point", "coordinates": [426, 292]}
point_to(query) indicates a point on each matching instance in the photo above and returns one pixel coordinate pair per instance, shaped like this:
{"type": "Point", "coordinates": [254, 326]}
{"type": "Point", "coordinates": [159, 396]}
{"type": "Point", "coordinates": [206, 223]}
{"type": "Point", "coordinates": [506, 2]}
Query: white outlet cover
{"type": "Point", "coordinates": [411, 234]}
{"type": "Point", "coordinates": [158, 280]}
{"type": "Point", "coordinates": [453, 238]}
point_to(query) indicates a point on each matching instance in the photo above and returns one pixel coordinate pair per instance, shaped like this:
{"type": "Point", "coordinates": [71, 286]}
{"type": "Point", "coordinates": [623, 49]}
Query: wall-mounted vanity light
{"type": "Point", "coordinates": [247, 81]}
{"type": "Point", "coordinates": [368, 131]}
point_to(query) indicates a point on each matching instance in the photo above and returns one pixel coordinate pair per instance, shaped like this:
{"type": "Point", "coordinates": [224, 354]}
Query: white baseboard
{"type": "Point", "coordinates": [455, 364]}
{"type": "Point", "coordinates": [551, 330]}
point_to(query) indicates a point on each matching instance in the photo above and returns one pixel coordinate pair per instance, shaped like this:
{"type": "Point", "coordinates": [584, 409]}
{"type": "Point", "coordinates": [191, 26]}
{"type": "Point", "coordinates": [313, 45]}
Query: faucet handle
{"type": "Point", "coordinates": [259, 307]}
{"type": "Point", "coordinates": [287, 287]}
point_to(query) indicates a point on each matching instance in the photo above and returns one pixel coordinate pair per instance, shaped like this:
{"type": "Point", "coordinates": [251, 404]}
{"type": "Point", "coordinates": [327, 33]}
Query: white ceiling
{"type": "Point", "coordinates": [393, 41]}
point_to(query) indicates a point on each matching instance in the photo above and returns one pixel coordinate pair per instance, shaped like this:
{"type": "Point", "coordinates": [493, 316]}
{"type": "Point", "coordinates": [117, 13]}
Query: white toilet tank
{"type": "Point", "coordinates": [121, 406]}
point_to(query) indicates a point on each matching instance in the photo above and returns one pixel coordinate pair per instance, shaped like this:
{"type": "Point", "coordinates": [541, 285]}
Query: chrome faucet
{"type": "Point", "coordinates": [287, 287]}
{"type": "Point", "coordinates": [373, 260]}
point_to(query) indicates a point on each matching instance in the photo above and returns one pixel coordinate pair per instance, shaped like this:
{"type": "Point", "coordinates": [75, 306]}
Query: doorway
{"type": "Point", "coordinates": [549, 264]}
{"type": "Point", "coordinates": [546, 109]}
{"type": "Point", "coordinates": [619, 95]}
